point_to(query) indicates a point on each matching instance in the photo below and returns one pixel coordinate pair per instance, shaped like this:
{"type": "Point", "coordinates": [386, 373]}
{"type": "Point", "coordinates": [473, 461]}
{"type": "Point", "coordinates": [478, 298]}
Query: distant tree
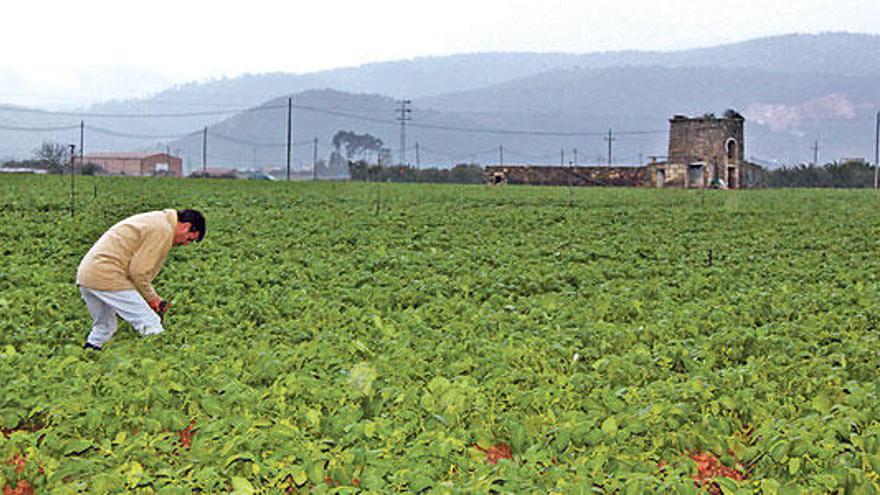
{"type": "Point", "coordinates": [384, 156]}
{"type": "Point", "coordinates": [336, 162]}
{"type": "Point", "coordinates": [54, 156]}
{"type": "Point", "coordinates": [334, 168]}
{"type": "Point", "coordinates": [354, 146]}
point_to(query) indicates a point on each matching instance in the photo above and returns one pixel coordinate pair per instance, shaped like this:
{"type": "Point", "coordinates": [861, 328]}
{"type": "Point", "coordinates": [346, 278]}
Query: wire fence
{"type": "Point", "coordinates": [240, 137]}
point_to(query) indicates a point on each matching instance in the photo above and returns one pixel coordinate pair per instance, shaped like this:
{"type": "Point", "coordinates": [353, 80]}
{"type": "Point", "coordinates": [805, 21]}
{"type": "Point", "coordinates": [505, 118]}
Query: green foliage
{"type": "Point", "coordinates": [459, 174]}
{"type": "Point", "coordinates": [53, 156]}
{"type": "Point", "coordinates": [318, 346]}
{"type": "Point", "coordinates": [850, 173]}
{"type": "Point", "coordinates": [354, 145]}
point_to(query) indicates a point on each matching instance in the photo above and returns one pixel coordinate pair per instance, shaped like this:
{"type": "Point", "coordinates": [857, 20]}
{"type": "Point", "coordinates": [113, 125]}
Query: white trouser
{"type": "Point", "coordinates": [104, 305]}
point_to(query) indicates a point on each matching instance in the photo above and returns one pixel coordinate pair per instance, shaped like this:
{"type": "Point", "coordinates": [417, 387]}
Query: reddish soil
{"type": "Point", "coordinates": [23, 488]}
{"type": "Point", "coordinates": [496, 452]}
{"type": "Point", "coordinates": [709, 468]}
{"type": "Point", "coordinates": [186, 435]}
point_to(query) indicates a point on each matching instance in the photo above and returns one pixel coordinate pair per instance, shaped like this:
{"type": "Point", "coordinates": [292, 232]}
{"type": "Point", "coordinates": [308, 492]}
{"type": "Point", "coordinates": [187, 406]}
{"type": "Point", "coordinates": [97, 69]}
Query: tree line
{"type": "Point", "coordinates": [356, 150]}
{"type": "Point", "coordinates": [459, 174]}
{"type": "Point", "coordinates": [352, 154]}
{"type": "Point", "coordinates": [54, 158]}
{"type": "Point", "coordinates": [844, 174]}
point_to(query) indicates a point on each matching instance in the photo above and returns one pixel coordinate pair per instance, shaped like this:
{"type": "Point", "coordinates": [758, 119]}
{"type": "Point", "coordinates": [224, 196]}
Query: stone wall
{"type": "Point", "coordinates": [568, 176]}
{"type": "Point", "coordinates": [675, 175]}
{"type": "Point", "coordinates": [664, 174]}
{"type": "Point", "coordinates": [658, 174]}
{"type": "Point", "coordinates": [704, 152]}
{"type": "Point", "coordinates": [752, 176]}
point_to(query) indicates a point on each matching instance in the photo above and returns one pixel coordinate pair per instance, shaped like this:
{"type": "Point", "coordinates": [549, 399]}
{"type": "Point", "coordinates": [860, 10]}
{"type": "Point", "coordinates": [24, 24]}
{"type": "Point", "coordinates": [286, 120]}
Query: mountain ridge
{"type": "Point", "coordinates": [582, 94]}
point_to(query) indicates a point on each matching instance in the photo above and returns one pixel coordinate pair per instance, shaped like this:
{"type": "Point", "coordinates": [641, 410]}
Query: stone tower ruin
{"type": "Point", "coordinates": [706, 151]}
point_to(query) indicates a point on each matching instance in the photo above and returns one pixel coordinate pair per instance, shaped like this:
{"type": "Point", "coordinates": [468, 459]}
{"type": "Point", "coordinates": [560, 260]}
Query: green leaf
{"type": "Point", "coordinates": [779, 450]}
{"type": "Point", "coordinates": [727, 485]}
{"type": "Point", "coordinates": [300, 477]}
{"type": "Point", "coordinates": [241, 486]}
{"type": "Point", "coordinates": [134, 474]}
{"type": "Point", "coordinates": [243, 456]}
{"type": "Point", "coordinates": [362, 378]}
{"type": "Point", "coordinates": [609, 426]}
{"type": "Point", "coordinates": [769, 487]}
{"type": "Point", "coordinates": [316, 472]}
{"type": "Point", "coordinates": [77, 446]}
{"type": "Point", "coordinates": [369, 429]}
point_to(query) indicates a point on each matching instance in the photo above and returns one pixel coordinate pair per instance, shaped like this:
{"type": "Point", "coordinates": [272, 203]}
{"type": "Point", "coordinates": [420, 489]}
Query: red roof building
{"type": "Point", "coordinates": [140, 164]}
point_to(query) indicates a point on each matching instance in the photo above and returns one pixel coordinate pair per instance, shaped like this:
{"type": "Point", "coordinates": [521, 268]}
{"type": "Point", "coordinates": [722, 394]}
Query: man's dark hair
{"type": "Point", "coordinates": [195, 219]}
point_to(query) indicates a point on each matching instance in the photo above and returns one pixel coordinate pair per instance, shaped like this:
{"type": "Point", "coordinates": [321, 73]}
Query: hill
{"type": "Point", "coordinates": [794, 90]}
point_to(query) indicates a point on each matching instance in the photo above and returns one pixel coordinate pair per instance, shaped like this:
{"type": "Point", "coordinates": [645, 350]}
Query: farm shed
{"type": "Point", "coordinates": [140, 164]}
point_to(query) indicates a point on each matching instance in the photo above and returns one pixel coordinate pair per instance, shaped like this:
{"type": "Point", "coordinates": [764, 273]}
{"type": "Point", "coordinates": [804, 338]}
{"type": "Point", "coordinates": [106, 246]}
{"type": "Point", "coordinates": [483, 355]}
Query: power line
{"type": "Point", "coordinates": [344, 114]}
{"type": "Point", "coordinates": [109, 132]}
{"type": "Point", "coordinates": [8, 108]}
{"type": "Point", "coordinates": [246, 142]}
{"type": "Point", "coordinates": [529, 156]}
{"type": "Point", "coordinates": [289, 131]}
{"type": "Point", "coordinates": [517, 132]}
{"type": "Point", "coordinates": [38, 129]}
{"type": "Point", "coordinates": [403, 118]}
{"type": "Point", "coordinates": [610, 140]}
{"type": "Point", "coordinates": [454, 156]}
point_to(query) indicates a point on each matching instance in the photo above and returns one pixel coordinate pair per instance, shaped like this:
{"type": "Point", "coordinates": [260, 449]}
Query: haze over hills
{"type": "Point", "coordinates": [793, 90]}
{"type": "Point", "coordinates": [833, 53]}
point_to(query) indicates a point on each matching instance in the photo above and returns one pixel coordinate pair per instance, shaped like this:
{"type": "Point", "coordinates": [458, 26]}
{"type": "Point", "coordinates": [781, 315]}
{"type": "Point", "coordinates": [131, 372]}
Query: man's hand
{"type": "Point", "coordinates": [159, 306]}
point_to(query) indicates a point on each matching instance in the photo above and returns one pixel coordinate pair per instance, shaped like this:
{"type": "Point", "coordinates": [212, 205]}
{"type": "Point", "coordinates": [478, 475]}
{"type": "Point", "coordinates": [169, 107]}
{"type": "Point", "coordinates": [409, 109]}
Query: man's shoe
{"type": "Point", "coordinates": [88, 345]}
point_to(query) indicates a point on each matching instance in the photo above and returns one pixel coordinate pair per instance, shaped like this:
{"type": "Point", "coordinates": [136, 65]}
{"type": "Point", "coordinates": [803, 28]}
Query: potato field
{"type": "Point", "coordinates": [379, 338]}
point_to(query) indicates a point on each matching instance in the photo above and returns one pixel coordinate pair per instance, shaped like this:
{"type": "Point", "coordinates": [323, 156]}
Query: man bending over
{"type": "Point", "coordinates": [116, 275]}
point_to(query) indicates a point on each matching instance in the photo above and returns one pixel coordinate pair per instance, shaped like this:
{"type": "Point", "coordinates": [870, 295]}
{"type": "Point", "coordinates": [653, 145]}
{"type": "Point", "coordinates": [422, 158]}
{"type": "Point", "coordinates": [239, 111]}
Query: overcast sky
{"type": "Point", "coordinates": [59, 51]}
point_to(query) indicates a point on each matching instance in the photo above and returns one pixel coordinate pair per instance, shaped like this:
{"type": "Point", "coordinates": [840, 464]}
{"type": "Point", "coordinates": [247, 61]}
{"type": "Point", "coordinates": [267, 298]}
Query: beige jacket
{"type": "Point", "coordinates": [130, 254]}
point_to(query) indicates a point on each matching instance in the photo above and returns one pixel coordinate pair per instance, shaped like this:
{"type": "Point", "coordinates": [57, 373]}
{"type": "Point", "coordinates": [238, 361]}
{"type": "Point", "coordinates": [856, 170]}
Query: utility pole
{"type": "Point", "coordinates": [205, 153]}
{"type": "Point", "coordinates": [315, 159]}
{"type": "Point", "coordinates": [72, 180]}
{"type": "Point", "coordinates": [562, 157]}
{"type": "Point", "coordinates": [289, 120]}
{"type": "Point", "coordinates": [418, 158]}
{"type": "Point", "coordinates": [815, 153]}
{"type": "Point", "coordinates": [403, 118]}
{"type": "Point", "coordinates": [876, 150]}
{"type": "Point", "coordinates": [167, 157]}
{"type": "Point", "coordinates": [82, 133]}
{"type": "Point", "coordinates": [610, 139]}
{"type": "Point", "coordinates": [575, 157]}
